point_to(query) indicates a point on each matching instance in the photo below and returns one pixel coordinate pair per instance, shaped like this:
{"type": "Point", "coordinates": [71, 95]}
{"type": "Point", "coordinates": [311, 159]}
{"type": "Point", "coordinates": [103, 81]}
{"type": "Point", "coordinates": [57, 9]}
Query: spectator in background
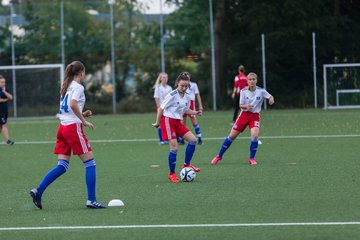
{"type": "Point", "coordinates": [5, 96]}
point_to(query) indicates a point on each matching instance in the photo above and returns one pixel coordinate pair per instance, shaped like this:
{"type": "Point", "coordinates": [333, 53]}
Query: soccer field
{"type": "Point", "coordinates": [305, 186]}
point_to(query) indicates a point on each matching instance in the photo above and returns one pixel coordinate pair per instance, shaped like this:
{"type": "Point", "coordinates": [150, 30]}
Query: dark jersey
{"type": "Point", "coordinates": [3, 105]}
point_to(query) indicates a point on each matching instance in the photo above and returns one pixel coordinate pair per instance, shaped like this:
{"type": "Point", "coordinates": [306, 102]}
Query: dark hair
{"type": "Point", "coordinates": [72, 70]}
{"type": "Point", "coordinates": [241, 68]}
{"type": "Point", "coordinates": [182, 76]}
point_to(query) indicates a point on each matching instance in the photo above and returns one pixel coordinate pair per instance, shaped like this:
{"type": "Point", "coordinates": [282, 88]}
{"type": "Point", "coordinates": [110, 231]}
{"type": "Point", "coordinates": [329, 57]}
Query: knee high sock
{"type": "Point", "coordinates": [253, 147]}
{"type": "Point", "coordinates": [90, 178]}
{"type": "Point", "coordinates": [159, 134]}
{"type": "Point", "coordinates": [226, 144]}
{"type": "Point", "coordinates": [172, 160]}
{"type": "Point", "coordinates": [197, 131]}
{"type": "Point", "coordinates": [189, 152]}
{"type": "Point", "coordinates": [53, 174]}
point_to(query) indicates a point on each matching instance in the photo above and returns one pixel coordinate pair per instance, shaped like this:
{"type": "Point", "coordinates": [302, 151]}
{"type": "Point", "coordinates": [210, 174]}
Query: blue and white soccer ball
{"type": "Point", "coordinates": [187, 174]}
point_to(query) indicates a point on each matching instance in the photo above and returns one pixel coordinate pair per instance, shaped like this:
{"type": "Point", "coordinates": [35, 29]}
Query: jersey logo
{"type": "Point", "coordinates": [173, 93]}
{"type": "Point", "coordinates": [257, 98]}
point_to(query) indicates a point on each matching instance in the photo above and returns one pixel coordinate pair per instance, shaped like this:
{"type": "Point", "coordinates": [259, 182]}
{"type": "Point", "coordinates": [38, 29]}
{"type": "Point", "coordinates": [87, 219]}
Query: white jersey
{"type": "Point", "coordinates": [193, 90]}
{"type": "Point", "coordinates": [161, 91]}
{"type": "Point", "coordinates": [74, 92]}
{"type": "Point", "coordinates": [174, 105]}
{"type": "Point", "coordinates": [254, 98]}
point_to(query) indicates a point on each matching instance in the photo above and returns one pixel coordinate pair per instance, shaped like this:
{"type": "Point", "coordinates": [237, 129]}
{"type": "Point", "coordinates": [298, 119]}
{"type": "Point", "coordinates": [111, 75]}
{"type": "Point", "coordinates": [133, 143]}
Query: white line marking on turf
{"type": "Point", "coordinates": [185, 226]}
{"type": "Point", "coordinates": [206, 139]}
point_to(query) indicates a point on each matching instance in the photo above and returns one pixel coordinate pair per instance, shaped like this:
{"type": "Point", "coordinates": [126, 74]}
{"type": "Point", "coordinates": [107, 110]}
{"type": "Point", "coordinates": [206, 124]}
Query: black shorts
{"type": "Point", "coordinates": [3, 118]}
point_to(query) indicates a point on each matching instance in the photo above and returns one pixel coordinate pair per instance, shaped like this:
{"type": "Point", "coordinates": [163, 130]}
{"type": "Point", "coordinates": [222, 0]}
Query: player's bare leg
{"type": "Point", "coordinates": [5, 132]}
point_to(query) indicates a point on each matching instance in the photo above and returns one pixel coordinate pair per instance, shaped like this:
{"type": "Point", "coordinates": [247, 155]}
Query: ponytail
{"type": "Point", "coordinates": [73, 69]}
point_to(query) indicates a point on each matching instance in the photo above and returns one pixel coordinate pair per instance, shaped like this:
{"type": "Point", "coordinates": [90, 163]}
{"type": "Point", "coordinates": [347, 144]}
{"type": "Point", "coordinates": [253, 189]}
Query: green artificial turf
{"type": "Point", "coordinates": [308, 171]}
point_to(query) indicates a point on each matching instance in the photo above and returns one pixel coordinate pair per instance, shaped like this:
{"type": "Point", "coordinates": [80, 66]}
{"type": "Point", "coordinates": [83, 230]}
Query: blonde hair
{"type": "Point", "coordinates": [252, 74]}
{"type": "Point", "coordinates": [158, 80]}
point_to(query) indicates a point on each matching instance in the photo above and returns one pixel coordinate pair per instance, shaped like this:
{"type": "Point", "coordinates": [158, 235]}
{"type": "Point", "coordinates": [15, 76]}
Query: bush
{"type": "Point", "coordinates": [136, 105]}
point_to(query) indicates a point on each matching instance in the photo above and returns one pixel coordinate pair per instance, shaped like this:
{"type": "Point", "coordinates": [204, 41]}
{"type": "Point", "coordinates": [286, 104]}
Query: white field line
{"type": "Point", "coordinates": [184, 226]}
{"type": "Point", "coordinates": [206, 139]}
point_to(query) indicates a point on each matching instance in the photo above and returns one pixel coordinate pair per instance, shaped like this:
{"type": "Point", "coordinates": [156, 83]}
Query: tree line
{"type": "Point", "coordinates": [287, 25]}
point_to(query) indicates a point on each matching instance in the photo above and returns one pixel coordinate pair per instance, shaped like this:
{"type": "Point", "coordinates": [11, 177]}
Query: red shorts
{"type": "Point", "coordinates": [247, 119]}
{"type": "Point", "coordinates": [192, 107]}
{"type": "Point", "coordinates": [172, 128]}
{"type": "Point", "coordinates": [71, 137]}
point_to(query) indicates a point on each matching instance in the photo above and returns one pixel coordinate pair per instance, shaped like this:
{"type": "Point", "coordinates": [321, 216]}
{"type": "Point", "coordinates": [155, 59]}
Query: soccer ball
{"type": "Point", "coordinates": [187, 174]}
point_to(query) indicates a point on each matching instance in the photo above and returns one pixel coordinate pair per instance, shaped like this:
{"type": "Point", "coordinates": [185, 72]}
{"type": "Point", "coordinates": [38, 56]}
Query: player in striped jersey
{"type": "Point", "coordinates": [161, 89]}
{"type": "Point", "coordinates": [251, 99]}
{"type": "Point", "coordinates": [170, 117]}
{"type": "Point", "coordinates": [70, 138]}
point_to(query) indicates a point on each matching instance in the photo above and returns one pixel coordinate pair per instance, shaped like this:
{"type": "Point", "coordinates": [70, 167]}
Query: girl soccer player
{"type": "Point", "coordinates": [161, 89]}
{"type": "Point", "coordinates": [194, 93]}
{"type": "Point", "coordinates": [169, 117]}
{"type": "Point", "coordinates": [251, 99]}
{"type": "Point", "coordinates": [70, 137]}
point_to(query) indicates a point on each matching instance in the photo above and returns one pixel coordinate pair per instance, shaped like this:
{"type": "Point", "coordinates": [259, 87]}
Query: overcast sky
{"type": "Point", "coordinates": [153, 6]}
{"type": "Point", "coordinates": [146, 6]}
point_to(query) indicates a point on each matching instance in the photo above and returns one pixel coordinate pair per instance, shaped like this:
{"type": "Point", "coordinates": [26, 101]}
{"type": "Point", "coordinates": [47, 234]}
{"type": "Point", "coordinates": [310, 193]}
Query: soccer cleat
{"type": "Point", "coordinates": [215, 160]}
{"type": "Point", "coordinates": [163, 143]}
{"type": "Point", "coordinates": [36, 196]}
{"type": "Point", "coordinates": [200, 142]}
{"type": "Point", "coordinates": [173, 178]}
{"type": "Point", "coordinates": [94, 204]}
{"type": "Point", "coordinates": [9, 142]}
{"type": "Point", "coordinates": [193, 167]}
{"type": "Point", "coordinates": [252, 161]}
